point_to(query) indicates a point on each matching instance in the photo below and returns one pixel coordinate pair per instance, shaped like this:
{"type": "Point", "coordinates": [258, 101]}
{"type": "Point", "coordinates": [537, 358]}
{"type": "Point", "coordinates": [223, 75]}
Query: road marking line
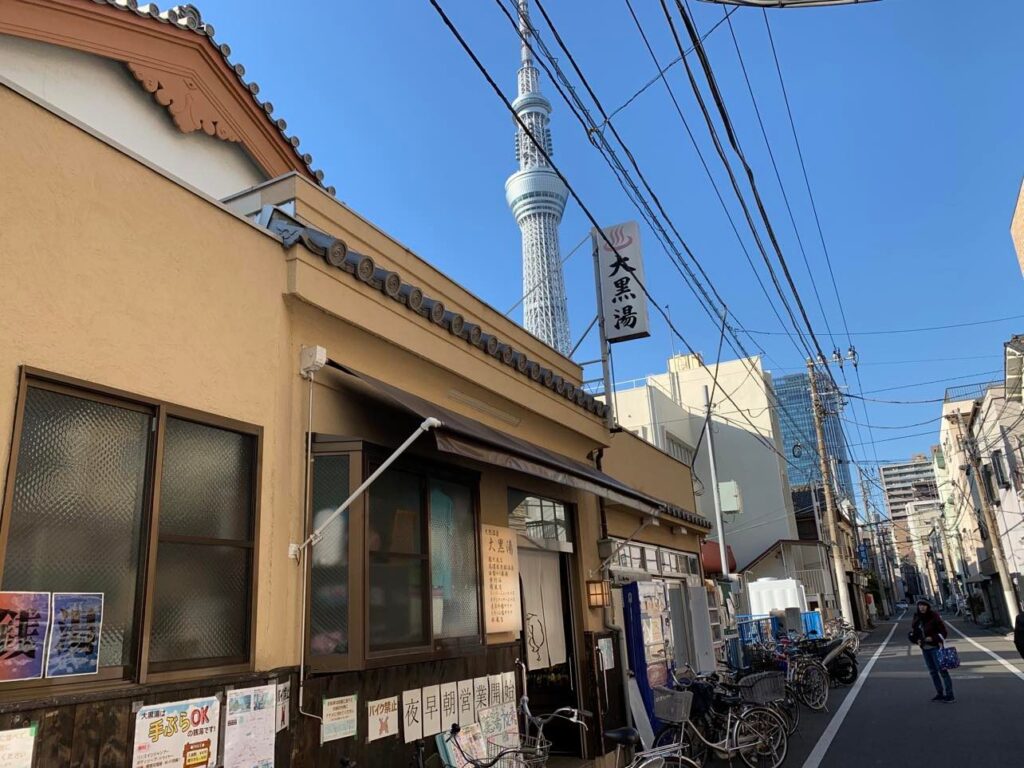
{"type": "Point", "coordinates": [994, 655]}
{"type": "Point", "coordinates": [825, 741]}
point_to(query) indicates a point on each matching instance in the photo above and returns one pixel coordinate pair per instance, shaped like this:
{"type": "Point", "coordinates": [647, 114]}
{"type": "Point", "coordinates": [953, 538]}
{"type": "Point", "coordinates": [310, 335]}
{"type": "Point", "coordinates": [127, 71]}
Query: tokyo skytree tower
{"type": "Point", "coordinates": [537, 198]}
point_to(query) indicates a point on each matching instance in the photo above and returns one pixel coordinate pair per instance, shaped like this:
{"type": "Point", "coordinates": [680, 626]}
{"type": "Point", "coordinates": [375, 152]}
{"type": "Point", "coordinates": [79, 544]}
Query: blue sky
{"type": "Point", "coordinates": [909, 113]}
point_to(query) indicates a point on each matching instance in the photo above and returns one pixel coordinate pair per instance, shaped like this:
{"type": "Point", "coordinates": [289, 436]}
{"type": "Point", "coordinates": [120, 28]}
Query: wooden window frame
{"type": "Point", "coordinates": [365, 457]}
{"type": "Point", "coordinates": [124, 677]}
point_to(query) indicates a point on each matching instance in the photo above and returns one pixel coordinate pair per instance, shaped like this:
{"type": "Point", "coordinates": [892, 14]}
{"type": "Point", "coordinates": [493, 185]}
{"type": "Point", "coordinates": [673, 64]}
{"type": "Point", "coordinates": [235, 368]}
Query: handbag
{"type": "Point", "coordinates": [948, 657]}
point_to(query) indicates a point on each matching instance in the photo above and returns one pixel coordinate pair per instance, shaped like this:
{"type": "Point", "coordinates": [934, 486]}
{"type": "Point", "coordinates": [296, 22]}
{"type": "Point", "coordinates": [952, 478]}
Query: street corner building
{"type": "Point", "coordinates": [203, 356]}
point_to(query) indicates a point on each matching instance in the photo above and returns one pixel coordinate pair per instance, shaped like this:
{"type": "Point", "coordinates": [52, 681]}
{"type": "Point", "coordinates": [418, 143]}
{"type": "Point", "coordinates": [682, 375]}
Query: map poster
{"type": "Point", "coordinates": [340, 718]}
{"type": "Point", "coordinates": [182, 734]}
{"type": "Point", "coordinates": [76, 620]}
{"type": "Point", "coordinates": [382, 718]}
{"type": "Point", "coordinates": [249, 730]}
{"type": "Point", "coordinates": [24, 623]}
{"type": "Point", "coordinates": [501, 579]}
{"type": "Point", "coordinates": [16, 747]}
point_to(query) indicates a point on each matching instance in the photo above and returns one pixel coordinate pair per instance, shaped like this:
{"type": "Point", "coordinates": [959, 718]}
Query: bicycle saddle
{"type": "Point", "coordinates": [626, 737]}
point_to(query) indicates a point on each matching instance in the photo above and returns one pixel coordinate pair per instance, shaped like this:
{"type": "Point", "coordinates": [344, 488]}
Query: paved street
{"type": "Point", "coordinates": [890, 721]}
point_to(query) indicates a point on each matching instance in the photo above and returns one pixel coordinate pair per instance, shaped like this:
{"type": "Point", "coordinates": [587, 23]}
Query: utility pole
{"type": "Point", "coordinates": [719, 523]}
{"type": "Point", "coordinates": [830, 501]}
{"type": "Point", "coordinates": [994, 536]}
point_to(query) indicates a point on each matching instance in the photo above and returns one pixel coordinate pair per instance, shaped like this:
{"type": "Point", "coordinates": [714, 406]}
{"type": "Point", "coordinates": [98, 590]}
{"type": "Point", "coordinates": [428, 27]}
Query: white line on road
{"type": "Point", "coordinates": [994, 655]}
{"type": "Point", "coordinates": [818, 753]}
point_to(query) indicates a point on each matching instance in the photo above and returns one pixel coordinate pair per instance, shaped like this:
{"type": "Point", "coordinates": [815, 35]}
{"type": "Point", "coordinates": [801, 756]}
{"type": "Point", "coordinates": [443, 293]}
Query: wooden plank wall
{"type": "Point", "coordinates": [96, 732]}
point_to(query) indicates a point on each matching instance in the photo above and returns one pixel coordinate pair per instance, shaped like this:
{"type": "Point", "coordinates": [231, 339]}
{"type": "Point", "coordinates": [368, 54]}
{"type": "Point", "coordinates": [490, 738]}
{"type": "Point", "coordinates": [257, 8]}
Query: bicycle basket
{"type": "Point", "coordinates": [526, 751]}
{"type": "Point", "coordinates": [763, 688]}
{"type": "Point", "coordinates": [672, 706]}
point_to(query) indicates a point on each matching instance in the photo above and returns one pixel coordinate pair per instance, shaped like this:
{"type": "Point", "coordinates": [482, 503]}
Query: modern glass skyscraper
{"type": "Point", "coordinates": [796, 418]}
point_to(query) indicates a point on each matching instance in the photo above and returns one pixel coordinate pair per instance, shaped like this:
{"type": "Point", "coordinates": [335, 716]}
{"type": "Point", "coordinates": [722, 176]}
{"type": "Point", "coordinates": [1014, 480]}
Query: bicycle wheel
{"type": "Point", "coordinates": [691, 749]}
{"type": "Point", "coordinates": [812, 685]}
{"type": "Point", "coordinates": [789, 708]}
{"type": "Point", "coordinates": [760, 737]}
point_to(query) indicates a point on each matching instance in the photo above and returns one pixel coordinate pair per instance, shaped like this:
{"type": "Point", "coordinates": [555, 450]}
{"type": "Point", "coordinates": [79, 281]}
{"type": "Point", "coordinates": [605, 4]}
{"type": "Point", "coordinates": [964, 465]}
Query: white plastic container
{"type": "Point", "coordinates": [768, 594]}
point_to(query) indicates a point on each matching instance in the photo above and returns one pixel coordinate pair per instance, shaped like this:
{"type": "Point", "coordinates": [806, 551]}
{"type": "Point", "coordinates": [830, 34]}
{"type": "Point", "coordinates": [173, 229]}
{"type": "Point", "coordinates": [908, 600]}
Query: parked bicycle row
{"type": "Point", "coordinates": [748, 712]}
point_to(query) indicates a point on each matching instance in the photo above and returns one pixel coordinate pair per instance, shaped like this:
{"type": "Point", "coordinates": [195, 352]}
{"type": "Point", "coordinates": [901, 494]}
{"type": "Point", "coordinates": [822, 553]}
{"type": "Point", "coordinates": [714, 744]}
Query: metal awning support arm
{"type": "Point", "coordinates": [428, 424]}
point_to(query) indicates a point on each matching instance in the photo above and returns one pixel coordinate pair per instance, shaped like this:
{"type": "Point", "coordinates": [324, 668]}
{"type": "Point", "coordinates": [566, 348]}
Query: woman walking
{"type": "Point", "coordinates": [929, 631]}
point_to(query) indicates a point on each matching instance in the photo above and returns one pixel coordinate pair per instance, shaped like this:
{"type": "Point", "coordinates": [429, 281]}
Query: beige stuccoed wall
{"type": "Point", "coordinates": [127, 280]}
{"type": "Point", "coordinates": [114, 275]}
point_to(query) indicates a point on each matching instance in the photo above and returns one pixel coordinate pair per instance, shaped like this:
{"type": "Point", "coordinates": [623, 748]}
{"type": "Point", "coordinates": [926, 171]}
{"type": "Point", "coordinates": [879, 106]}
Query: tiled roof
{"type": "Point", "coordinates": [188, 17]}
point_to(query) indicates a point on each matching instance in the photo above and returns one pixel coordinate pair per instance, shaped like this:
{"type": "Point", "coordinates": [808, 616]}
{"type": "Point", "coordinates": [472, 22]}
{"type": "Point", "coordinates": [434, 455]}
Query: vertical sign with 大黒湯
{"type": "Point", "coordinates": [340, 716]}
{"type": "Point", "coordinates": [382, 718]}
{"type": "Point", "coordinates": [621, 279]}
{"type": "Point", "coordinates": [77, 623]}
{"type": "Point", "coordinates": [501, 579]}
{"type": "Point", "coordinates": [24, 623]}
{"type": "Point", "coordinates": [177, 733]}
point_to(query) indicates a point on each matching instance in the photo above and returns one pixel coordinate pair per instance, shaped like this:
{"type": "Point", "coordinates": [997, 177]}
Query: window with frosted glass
{"type": "Point", "coordinates": [454, 593]}
{"type": "Point", "coordinates": [78, 507]}
{"type": "Point", "coordinates": [83, 506]}
{"type": "Point", "coordinates": [328, 609]}
{"type": "Point", "coordinates": [399, 571]}
{"type": "Point", "coordinates": [204, 557]}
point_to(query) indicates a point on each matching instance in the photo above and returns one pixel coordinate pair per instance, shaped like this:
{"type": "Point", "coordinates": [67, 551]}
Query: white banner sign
{"type": "Point", "coordinates": [177, 733]}
{"type": "Point", "coordinates": [620, 270]}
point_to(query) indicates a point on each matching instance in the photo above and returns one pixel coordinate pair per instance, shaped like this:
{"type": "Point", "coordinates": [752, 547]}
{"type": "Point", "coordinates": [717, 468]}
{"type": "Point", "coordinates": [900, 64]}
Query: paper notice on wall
{"type": "Point", "coordinates": [449, 705]}
{"type": "Point", "coordinates": [249, 730]}
{"type": "Point", "coordinates": [431, 710]}
{"type": "Point", "coordinates": [382, 718]}
{"type": "Point", "coordinates": [494, 692]}
{"type": "Point", "coordinates": [412, 715]}
{"type": "Point", "coordinates": [501, 579]}
{"type": "Point", "coordinates": [177, 733]}
{"type": "Point", "coordinates": [284, 704]}
{"type": "Point", "coordinates": [466, 708]}
{"type": "Point", "coordinates": [481, 694]}
{"type": "Point", "coordinates": [500, 725]}
{"type": "Point", "coordinates": [24, 625]}
{"type": "Point", "coordinates": [606, 653]}
{"type": "Point", "coordinates": [76, 620]}
{"type": "Point", "coordinates": [508, 687]}
{"type": "Point", "coordinates": [16, 747]}
{"type": "Point", "coordinates": [340, 718]}
{"type": "Point", "coordinates": [542, 606]}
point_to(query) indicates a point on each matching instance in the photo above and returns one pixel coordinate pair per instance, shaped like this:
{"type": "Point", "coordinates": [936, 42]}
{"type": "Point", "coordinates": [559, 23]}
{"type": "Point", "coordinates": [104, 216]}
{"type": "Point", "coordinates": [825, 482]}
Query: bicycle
{"type": "Point", "coordinates": [726, 725]}
{"type": "Point", "coordinates": [670, 707]}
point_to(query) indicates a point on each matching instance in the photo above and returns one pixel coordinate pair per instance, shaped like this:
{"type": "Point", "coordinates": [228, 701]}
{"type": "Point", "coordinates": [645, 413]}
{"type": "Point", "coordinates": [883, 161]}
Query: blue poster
{"type": "Point", "coordinates": [76, 623]}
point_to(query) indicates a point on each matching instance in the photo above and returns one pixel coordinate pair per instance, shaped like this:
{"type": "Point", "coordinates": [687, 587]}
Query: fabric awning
{"type": "Point", "coordinates": [470, 439]}
{"type": "Point", "coordinates": [711, 558]}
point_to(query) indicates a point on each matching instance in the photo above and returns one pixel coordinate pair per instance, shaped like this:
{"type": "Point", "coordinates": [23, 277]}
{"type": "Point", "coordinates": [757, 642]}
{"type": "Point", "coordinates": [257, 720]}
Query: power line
{"type": "Point", "coordinates": [903, 330]}
{"type": "Point", "coordinates": [734, 143]}
{"type": "Point", "coordinates": [575, 195]}
{"type": "Point", "coordinates": [934, 381]}
{"type": "Point", "coordinates": [902, 426]}
{"type": "Point", "coordinates": [663, 70]}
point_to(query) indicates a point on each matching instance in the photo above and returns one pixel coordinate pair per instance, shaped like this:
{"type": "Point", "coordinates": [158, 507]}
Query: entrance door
{"type": "Point", "coordinates": [547, 643]}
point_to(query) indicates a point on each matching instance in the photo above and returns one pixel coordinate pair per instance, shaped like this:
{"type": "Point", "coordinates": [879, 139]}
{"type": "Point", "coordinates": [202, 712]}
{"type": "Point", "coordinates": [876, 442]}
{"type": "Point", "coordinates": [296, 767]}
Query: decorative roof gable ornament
{"type": "Point", "coordinates": [188, 106]}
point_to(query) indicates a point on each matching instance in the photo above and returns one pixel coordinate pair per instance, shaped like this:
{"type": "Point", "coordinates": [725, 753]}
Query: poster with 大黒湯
{"type": "Point", "coordinates": [501, 579]}
{"type": "Point", "coordinates": [76, 620]}
{"type": "Point", "coordinates": [24, 624]}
